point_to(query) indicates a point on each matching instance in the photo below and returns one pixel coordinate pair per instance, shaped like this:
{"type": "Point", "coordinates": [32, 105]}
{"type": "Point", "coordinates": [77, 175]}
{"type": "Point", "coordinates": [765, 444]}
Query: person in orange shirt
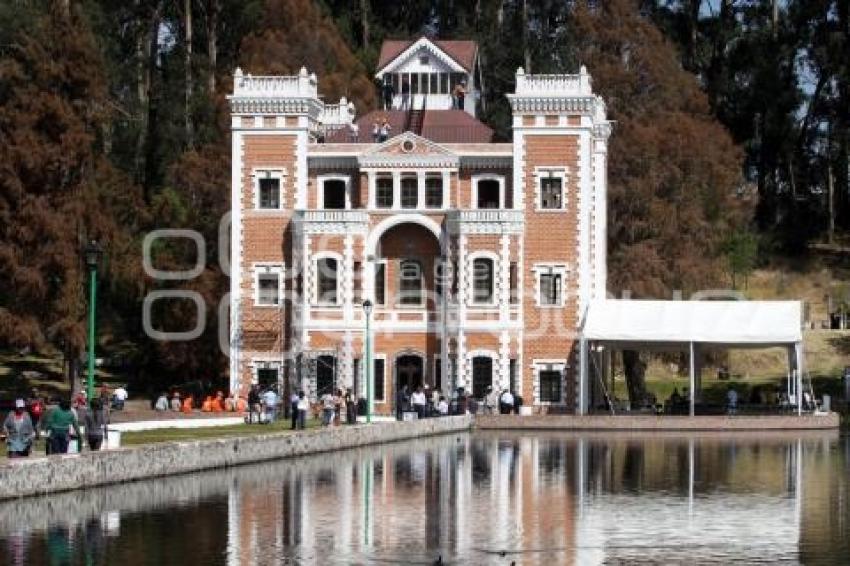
{"type": "Point", "coordinates": [207, 405]}
{"type": "Point", "coordinates": [218, 403]}
{"type": "Point", "coordinates": [188, 401]}
{"type": "Point", "coordinates": [241, 405]}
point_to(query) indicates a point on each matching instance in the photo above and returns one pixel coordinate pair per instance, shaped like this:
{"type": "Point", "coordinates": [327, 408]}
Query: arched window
{"type": "Point", "coordinates": [327, 276]}
{"type": "Point", "coordinates": [483, 280]}
{"type": "Point", "coordinates": [410, 282]}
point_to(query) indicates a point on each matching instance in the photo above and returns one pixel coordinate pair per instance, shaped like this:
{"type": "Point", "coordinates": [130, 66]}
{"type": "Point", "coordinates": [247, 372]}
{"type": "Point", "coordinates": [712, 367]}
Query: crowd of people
{"type": "Point", "coordinates": [68, 424]}
{"type": "Point", "coordinates": [426, 402]}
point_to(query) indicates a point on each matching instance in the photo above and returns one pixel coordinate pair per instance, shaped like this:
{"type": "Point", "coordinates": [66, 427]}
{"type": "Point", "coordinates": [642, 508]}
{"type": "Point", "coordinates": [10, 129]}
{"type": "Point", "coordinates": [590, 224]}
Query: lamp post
{"type": "Point", "coordinates": [367, 310]}
{"type": "Point", "coordinates": [92, 253]}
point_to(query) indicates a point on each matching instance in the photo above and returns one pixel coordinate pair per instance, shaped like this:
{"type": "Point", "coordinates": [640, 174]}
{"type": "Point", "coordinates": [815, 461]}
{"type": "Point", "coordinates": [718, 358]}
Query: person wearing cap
{"type": "Point", "coordinates": [19, 431]}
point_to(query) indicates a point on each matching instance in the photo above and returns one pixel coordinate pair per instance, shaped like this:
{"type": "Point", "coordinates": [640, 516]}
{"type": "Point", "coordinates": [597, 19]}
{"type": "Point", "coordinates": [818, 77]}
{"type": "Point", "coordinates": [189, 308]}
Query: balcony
{"type": "Point", "coordinates": [332, 221]}
{"type": "Point", "coordinates": [486, 221]}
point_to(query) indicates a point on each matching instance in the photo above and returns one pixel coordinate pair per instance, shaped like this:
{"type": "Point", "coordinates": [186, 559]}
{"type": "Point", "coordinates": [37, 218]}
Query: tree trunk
{"type": "Point", "coordinates": [212, 44]}
{"type": "Point", "coordinates": [364, 22]}
{"type": "Point", "coordinates": [147, 51]}
{"type": "Point", "coordinates": [74, 372]}
{"type": "Point", "coordinates": [635, 370]}
{"type": "Point", "coordinates": [187, 48]}
{"type": "Point", "coordinates": [525, 38]}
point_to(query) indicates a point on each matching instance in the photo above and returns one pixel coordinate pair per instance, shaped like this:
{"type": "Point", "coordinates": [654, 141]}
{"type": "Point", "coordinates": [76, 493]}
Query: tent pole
{"type": "Point", "coordinates": [582, 371]}
{"type": "Point", "coordinates": [798, 358]}
{"type": "Point", "coordinates": [692, 376]}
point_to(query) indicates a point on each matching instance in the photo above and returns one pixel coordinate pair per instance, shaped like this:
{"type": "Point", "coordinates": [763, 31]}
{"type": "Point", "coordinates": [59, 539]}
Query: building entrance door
{"type": "Point", "coordinates": [409, 371]}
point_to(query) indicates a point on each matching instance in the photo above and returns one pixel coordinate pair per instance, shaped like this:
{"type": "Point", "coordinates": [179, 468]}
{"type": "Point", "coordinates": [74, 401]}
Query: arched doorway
{"type": "Point", "coordinates": [409, 372]}
{"type": "Point", "coordinates": [482, 375]}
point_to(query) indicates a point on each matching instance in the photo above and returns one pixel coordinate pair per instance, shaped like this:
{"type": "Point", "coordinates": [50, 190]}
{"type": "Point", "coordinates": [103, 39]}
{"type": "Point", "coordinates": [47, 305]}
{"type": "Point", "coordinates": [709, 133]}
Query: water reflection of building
{"type": "Point", "coordinates": [544, 498]}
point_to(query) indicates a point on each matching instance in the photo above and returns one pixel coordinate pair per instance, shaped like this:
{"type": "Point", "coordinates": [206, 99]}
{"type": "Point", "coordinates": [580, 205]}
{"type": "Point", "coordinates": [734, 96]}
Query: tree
{"type": "Point", "coordinates": [741, 250]}
{"type": "Point", "coordinates": [57, 189]}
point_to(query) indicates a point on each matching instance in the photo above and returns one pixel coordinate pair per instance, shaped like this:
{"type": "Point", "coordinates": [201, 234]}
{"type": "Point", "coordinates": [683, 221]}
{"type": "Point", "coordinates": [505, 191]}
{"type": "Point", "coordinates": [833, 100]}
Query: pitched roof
{"type": "Point", "coordinates": [462, 51]}
{"type": "Point", "coordinates": [441, 126]}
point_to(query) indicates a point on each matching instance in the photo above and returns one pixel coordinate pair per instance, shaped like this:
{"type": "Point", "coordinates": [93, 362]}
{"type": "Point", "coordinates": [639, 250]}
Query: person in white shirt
{"type": "Point", "coordinates": [270, 405]}
{"type": "Point", "coordinates": [506, 403]}
{"type": "Point", "coordinates": [491, 401]}
{"type": "Point", "coordinates": [419, 401]}
{"type": "Point", "coordinates": [161, 403]}
{"type": "Point", "coordinates": [328, 406]}
{"type": "Point", "coordinates": [303, 405]}
{"type": "Point", "coordinates": [118, 397]}
{"type": "Point", "coordinates": [442, 406]}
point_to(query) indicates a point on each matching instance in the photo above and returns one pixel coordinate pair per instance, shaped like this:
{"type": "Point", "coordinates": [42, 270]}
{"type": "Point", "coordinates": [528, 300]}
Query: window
{"type": "Point", "coordinates": [333, 194]}
{"type": "Point", "coordinates": [268, 288]}
{"type": "Point", "coordinates": [513, 376]}
{"type": "Point", "coordinates": [378, 379]}
{"type": "Point", "coordinates": [482, 375]}
{"type": "Point", "coordinates": [409, 192]}
{"type": "Point", "coordinates": [551, 289]}
{"type": "Point", "coordinates": [551, 193]}
{"type": "Point", "coordinates": [488, 193]}
{"type": "Point", "coordinates": [269, 190]}
{"type": "Point", "coordinates": [410, 282]}
{"type": "Point", "coordinates": [440, 274]}
{"type": "Point", "coordinates": [514, 282]}
{"type": "Point", "coordinates": [267, 377]}
{"type": "Point", "coordinates": [414, 83]}
{"type": "Point", "coordinates": [380, 283]}
{"type": "Point", "coordinates": [482, 280]}
{"type": "Point", "coordinates": [434, 191]}
{"type": "Point", "coordinates": [444, 83]}
{"type": "Point", "coordinates": [384, 192]}
{"type": "Point", "coordinates": [326, 276]}
{"type": "Point", "coordinates": [438, 374]}
{"type": "Point", "coordinates": [424, 60]}
{"type": "Point", "coordinates": [358, 282]}
{"type": "Point", "coordinates": [423, 83]}
{"type": "Point", "coordinates": [326, 369]}
{"type": "Point", "coordinates": [435, 84]}
{"type": "Point", "coordinates": [550, 386]}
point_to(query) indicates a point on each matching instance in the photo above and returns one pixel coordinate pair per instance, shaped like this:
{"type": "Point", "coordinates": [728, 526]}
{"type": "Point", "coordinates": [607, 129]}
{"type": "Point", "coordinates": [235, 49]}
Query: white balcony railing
{"type": "Point", "coordinates": [340, 114]}
{"type": "Point", "coordinates": [488, 215]}
{"type": "Point", "coordinates": [302, 85]}
{"type": "Point", "coordinates": [553, 85]}
{"type": "Point", "coordinates": [334, 216]}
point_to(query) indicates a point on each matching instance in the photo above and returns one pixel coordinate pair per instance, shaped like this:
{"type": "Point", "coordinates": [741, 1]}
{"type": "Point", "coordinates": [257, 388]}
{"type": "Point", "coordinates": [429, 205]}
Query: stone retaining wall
{"type": "Point", "coordinates": [61, 473]}
{"type": "Point", "coordinates": [651, 422]}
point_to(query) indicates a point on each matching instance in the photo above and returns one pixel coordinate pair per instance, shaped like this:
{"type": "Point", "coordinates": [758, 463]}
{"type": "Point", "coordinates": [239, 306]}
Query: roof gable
{"type": "Point", "coordinates": [409, 149]}
{"type": "Point", "coordinates": [459, 55]}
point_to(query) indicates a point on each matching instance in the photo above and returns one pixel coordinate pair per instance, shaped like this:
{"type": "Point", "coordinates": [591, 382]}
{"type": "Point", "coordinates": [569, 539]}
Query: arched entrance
{"type": "Point", "coordinates": [409, 372]}
{"type": "Point", "coordinates": [482, 375]}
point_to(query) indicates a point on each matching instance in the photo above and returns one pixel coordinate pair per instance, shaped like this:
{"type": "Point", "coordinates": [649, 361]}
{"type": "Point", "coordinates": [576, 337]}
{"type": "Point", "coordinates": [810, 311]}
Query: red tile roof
{"type": "Point", "coordinates": [462, 51]}
{"type": "Point", "coordinates": [440, 126]}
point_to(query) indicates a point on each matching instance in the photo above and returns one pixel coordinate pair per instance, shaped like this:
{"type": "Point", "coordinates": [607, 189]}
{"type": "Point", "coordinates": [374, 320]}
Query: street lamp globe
{"type": "Point", "coordinates": [93, 253]}
{"type": "Point", "coordinates": [367, 307]}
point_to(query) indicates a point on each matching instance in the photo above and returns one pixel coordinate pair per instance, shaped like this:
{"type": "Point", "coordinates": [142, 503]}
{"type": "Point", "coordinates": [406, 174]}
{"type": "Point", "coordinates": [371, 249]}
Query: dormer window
{"type": "Point", "coordinates": [424, 60]}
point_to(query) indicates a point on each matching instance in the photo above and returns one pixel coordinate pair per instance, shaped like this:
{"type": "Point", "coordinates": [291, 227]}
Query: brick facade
{"type": "Point", "coordinates": [467, 242]}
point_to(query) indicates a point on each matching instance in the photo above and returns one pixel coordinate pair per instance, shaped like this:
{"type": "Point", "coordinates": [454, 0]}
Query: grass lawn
{"type": "Point", "coordinates": [177, 434]}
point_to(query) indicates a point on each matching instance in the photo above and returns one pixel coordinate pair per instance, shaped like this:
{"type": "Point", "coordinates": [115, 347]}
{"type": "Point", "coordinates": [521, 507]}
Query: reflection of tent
{"type": "Point", "coordinates": [684, 325]}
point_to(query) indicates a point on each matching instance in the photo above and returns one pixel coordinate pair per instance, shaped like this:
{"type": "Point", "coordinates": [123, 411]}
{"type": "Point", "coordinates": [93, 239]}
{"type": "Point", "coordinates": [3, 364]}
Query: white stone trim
{"type": "Point", "coordinates": [550, 268]}
{"type": "Point", "coordinates": [236, 192]}
{"type": "Point", "coordinates": [487, 177]}
{"type": "Point", "coordinates": [314, 270]}
{"type": "Point", "coordinates": [320, 189]}
{"type": "Point", "coordinates": [554, 171]}
{"type": "Point", "coordinates": [259, 362]}
{"type": "Point", "coordinates": [554, 365]}
{"type": "Point", "coordinates": [271, 172]}
{"type": "Point", "coordinates": [391, 221]}
{"type": "Point", "coordinates": [267, 268]}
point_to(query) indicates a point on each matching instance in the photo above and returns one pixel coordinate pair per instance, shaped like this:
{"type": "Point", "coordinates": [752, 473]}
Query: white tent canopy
{"type": "Point", "coordinates": [636, 324]}
{"type": "Point", "coordinates": [761, 323]}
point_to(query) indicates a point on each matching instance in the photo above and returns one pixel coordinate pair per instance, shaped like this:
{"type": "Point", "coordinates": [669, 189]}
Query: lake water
{"type": "Point", "coordinates": [480, 498]}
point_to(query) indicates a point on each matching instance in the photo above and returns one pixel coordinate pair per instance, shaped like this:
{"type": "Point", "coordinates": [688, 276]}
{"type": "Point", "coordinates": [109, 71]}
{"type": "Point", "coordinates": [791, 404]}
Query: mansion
{"type": "Point", "coordinates": [479, 257]}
